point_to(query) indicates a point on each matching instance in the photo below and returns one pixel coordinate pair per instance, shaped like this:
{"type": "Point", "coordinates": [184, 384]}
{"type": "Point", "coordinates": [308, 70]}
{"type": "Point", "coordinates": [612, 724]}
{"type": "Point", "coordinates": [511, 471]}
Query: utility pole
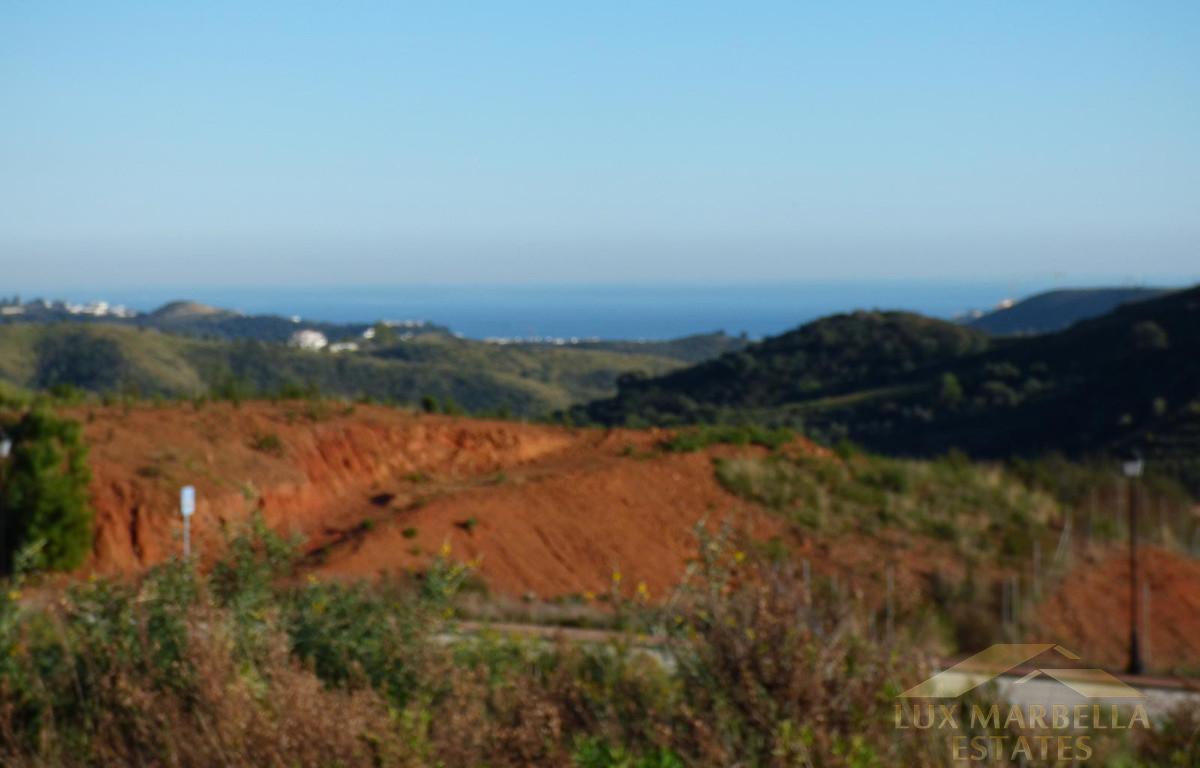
{"type": "Point", "coordinates": [1133, 470]}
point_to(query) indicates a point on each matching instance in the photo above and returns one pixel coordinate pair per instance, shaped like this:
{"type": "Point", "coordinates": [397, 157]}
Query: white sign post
{"type": "Point", "coordinates": [187, 507]}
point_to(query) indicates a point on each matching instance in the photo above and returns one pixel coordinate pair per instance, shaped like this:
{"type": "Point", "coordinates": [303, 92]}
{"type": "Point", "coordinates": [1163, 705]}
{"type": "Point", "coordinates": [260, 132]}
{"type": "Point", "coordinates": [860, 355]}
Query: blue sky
{"type": "Point", "coordinates": [392, 142]}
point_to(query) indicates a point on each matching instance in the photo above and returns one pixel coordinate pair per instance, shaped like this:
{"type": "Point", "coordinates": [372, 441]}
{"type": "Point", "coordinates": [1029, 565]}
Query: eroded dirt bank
{"type": "Point", "coordinates": [375, 491]}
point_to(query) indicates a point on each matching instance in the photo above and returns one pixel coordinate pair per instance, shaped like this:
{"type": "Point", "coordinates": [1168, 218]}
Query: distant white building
{"type": "Point", "coordinates": [343, 346]}
{"type": "Point", "coordinates": [97, 309]}
{"type": "Point", "coordinates": [309, 339]}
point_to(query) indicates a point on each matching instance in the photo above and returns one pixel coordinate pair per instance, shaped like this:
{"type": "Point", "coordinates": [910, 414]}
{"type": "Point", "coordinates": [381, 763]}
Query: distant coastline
{"type": "Point", "coordinates": [524, 312]}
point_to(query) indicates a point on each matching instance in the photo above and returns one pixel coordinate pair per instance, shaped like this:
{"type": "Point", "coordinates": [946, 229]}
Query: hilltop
{"type": "Point", "coordinates": [1055, 310]}
{"type": "Point", "coordinates": [183, 309]}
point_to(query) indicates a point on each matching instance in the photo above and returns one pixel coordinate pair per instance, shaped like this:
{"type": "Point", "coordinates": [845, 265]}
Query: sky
{"type": "Point", "coordinates": [239, 143]}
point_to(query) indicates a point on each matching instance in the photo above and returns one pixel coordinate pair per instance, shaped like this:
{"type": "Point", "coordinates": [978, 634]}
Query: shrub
{"type": "Point", "coordinates": [786, 679]}
{"type": "Point", "coordinates": [268, 443]}
{"type": "Point", "coordinates": [951, 392]}
{"type": "Point", "coordinates": [691, 440]}
{"type": "Point", "coordinates": [44, 505]}
{"type": "Point", "coordinates": [1149, 335]}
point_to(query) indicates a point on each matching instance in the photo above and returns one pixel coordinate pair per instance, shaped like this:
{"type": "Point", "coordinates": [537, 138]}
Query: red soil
{"type": "Point", "coordinates": [545, 510]}
{"type": "Point", "coordinates": [1089, 613]}
{"type": "Point", "coordinates": [380, 491]}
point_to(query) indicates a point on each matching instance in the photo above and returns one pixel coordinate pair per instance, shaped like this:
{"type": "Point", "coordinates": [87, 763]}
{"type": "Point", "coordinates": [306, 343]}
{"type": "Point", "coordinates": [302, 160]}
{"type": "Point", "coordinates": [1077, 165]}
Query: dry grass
{"type": "Point", "coordinates": [182, 671]}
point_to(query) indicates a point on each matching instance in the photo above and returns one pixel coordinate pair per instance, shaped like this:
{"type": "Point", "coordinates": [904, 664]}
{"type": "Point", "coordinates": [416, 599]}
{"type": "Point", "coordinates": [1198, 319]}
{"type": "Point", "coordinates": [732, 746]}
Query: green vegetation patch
{"type": "Point", "coordinates": [980, 508]}
{"type": "Point", "coordinates": [45, 515]}
{"type": "Point", "coordinates": [690, 440]}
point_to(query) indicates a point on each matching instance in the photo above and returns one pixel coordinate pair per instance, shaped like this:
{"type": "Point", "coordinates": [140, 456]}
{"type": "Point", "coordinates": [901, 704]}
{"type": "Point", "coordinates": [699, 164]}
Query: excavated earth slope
{"type": "Point", "coordinates": [377, 491]}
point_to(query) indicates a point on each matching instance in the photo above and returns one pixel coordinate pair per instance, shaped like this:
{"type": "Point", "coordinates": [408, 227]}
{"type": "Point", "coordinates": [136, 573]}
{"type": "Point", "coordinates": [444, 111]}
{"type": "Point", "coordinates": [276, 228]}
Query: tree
{"type": "Point", "coordinates": [1149, 335]}
{"type": "Point", "coordinates": [385, 335]}
{"type": "Point", "coordinates": [44, 509]}
{"type": "Point", "coordinates": [951, 393]}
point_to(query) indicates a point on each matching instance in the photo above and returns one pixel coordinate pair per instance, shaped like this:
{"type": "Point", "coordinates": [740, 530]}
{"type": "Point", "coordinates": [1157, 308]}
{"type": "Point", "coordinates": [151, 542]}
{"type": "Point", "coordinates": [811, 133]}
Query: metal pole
{"type": "Point", "coordinates": [187, 537]}
{"type": "Point", "coordinates": [1037, 569]}
{"type": "Point", "coordinates": [1135, 653]}
{"type": "Point", "coordinates": [1015, 605]}
{"type": "Point", "coordinates": [1004, 606]}
{"type": "Point", "coordinates": [891, 606]}
{"type": "Point", "coordinates": [1146, 648]}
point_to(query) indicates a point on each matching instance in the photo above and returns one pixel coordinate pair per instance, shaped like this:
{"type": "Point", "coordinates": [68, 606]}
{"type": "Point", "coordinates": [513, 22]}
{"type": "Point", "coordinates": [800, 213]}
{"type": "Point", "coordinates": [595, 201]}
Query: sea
{"type": "Point", "coordinates": [564, 311]}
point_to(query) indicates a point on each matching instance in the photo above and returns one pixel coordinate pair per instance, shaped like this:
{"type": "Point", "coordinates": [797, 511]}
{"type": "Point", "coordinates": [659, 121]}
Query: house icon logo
{"type": "Point", "coordinates": [1046, 727]}
{"type": "Point", "coordinates": [1003, 658]}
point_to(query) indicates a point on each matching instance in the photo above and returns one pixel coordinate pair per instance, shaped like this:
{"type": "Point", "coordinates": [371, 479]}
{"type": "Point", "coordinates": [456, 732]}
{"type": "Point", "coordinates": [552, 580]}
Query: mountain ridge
{"type": "Point", "coordinates": [1059, 309]}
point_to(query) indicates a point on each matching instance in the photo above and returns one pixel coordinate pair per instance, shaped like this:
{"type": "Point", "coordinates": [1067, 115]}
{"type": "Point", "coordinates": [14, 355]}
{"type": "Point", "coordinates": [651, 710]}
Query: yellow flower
{"type": "Point", "coordinates": [589, 596]}
{"type": "Point", "coordinates": [739, 556]}
{"type": "Point", "coordinates": [643, 591]}
{"type": "Point", "coordinates": [445, 550]}
{"type": "Point", "coordinates": [14, 595]}
{"type": "Point", "coordinates": [616, 577]}
{"type": "Point", "coordinates": [312, 579]}
{"type": "Point", "coordinates": [749, 633]}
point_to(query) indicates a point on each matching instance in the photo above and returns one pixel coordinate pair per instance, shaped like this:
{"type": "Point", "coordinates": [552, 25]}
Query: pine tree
{"type": "Point", "coordinates": [44, 507]}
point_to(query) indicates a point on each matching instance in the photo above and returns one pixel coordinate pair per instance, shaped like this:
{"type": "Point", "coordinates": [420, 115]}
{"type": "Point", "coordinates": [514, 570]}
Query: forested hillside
{"type": "Point", "coordinates": [905, 384]}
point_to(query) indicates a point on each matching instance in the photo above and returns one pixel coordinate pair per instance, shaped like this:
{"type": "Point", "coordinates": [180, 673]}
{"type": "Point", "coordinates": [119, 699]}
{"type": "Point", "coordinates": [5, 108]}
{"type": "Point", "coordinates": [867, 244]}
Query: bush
{"type": "Point", "coordinates": [785, 678]}
{"type": "Point", "coordinates": [44, 508]}
{"type": "Point", "coordinates": [697, 439]}
{"type": "Point", "coordinates": [268, 443]}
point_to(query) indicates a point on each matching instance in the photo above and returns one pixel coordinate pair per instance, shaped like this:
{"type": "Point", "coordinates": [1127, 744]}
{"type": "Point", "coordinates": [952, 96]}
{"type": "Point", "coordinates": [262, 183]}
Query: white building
{"type": "Point", "coordinates": [309, 339]}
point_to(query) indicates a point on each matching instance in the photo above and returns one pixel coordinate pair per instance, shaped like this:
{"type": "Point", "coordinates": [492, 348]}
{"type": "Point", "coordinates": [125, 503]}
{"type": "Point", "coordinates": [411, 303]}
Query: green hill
{"type": "Point", "coordinates": [101, 357]}
{"type": "Point", "coordinates": [909, 385]}
{"type": "Point", "coordinates": [830, 357]}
